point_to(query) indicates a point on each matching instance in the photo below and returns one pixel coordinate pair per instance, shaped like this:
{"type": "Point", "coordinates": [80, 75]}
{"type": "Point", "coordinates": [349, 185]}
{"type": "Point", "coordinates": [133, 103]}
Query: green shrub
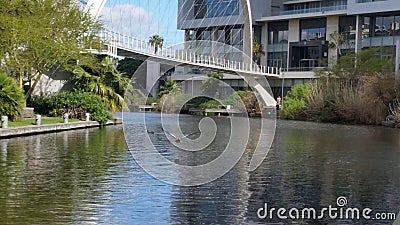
{"type": "Point", "coordinates": [234, 98]}
{"type": "Point", "coordinates": [212, 104]}
{"type": "Point", "coordinates": [12, 98]}
{"type": "Point", "coordinates": [295, 103]}
{"type": "Point", "coordinates": [76, 104]}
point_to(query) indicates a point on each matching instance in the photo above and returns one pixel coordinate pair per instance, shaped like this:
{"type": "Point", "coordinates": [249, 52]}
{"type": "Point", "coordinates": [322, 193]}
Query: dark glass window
{"type": "Point", "coordinates": [215, 8]}
{"type": "Point", "coordinates": [278, 32]}
{"type": "Point", "coordinates": [313, 29]}
{"type": "Point", "coordinates": [347, 27]}
{"type": "Point", "coordinates": [277, 59]}
{"type": "Point", "coordinates": [386, 26]}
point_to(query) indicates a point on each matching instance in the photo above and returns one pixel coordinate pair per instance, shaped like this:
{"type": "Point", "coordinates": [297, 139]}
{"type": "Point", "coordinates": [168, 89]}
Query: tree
{"type": "Point", "coordinates": [258, 51]}
{"type": "Point", "coordinates": [128, 66]}
{"type": "Point", "coordinates": [336, 40]}
{"type": "Point", "coordinates": [211, 84]}
{"type": "Point", "coordinates": [99, 76]}
{"type": "Point", "coordinates": [11, 97]}
{"type": "Point", "coordinates": [170, 86]}
{"type": "Point", "coordinates": [36, 36]}
{"type": "Point", "coordinates": [156, 41]}
{"type": "Point", "coordinates": [365, 63]}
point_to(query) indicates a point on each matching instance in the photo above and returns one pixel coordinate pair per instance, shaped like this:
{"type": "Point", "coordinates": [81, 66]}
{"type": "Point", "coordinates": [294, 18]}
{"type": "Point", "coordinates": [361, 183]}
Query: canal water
{"type": "Point", "coordinates": [89, 177]}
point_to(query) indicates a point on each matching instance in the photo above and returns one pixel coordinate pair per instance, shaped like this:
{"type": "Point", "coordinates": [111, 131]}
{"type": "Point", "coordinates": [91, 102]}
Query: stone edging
{"type": "Point", "coordinates": [35, 129]}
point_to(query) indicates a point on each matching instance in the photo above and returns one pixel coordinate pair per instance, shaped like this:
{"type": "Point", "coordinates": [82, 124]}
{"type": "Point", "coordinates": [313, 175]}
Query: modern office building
{"type": "Point", "coordinates": [295, 33]}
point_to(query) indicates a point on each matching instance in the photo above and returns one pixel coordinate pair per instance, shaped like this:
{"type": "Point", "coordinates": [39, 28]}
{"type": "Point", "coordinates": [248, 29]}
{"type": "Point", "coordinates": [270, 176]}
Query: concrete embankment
{"type": "Point", "coordinates": [49, 128]}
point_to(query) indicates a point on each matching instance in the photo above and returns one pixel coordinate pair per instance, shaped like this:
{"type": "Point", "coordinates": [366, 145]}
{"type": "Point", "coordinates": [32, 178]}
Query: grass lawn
{"type": "Point", "coordinates": [45, 120]}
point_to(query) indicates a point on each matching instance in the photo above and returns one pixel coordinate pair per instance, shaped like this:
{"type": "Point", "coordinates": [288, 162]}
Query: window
{"type": "Point", "coordinates": [236, 37]}
{"type": "Point", "coordinates": [278, 32]}
{"type": "Point", "coordinates": [387, 26]}
{"type": "Point", "coordinates": [277, 59]}
{"type": "Point", "coordinates": [347, 27]}
{"type": "Point", "coordinates": [312, 34]}
{"type": "Point", "coordinates": [215, 8]}
{"type": "Point", "coordinates": [313, 29]}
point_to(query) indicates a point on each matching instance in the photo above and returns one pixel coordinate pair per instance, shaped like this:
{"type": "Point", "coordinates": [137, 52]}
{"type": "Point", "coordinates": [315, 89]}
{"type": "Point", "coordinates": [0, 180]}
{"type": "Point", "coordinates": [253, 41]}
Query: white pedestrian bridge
{"type": "Point", "coordinates": [121, 45]}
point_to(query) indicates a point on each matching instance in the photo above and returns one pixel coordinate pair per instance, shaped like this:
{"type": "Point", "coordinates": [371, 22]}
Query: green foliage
{"type": "Point", "coordinates": [211, 84]}
{"type": "Point", "coordinates": [170, 86]}
{"type": "Point", "coordinates": [170, 103]}
{"type": "Point", "coordinates": [212, 104]}
{"type": "Point", "coordinates": [76, 104]}
{"type": "Point", "coordinates": [234, 98]}
{"type": "Point", "coordinates": [157, 42]}
{"type": "Point", "coordinates": [295, 102]}
{"type": "Point", "coordinates": [366, 63]}
{"type": "Point", "coordinates": [336, 40]}
{"type": "Point", "coordinates": [258, 51]}
{"type": "Point", "coordinates": [99, 77]}
{"type": "Point", "coordinates": [151, 100]}
{"type": "Point", "coordinates": [197, 101]}
{"type": "Point", "coordinates": [11, 97]}
{"type": "Point", "coordinates": [128, 66]}
{"type": "Point", "coordinates": [45, 120]}
{"type": "Point", "coordinates": [39, 35]}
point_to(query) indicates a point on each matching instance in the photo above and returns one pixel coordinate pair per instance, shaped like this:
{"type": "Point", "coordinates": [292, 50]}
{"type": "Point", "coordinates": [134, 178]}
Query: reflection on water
{"type": "Point", "coordinates": [88, 176]}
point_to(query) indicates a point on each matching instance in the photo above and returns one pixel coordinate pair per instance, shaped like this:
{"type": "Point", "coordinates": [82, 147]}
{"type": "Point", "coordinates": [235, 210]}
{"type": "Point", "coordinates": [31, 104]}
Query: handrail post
{"type": "Point", "coordinates": [38, 120]}
{"type": "Point", "coordinates": [4, 122]}
{"type": "Point", "coordinates": [66, 118]}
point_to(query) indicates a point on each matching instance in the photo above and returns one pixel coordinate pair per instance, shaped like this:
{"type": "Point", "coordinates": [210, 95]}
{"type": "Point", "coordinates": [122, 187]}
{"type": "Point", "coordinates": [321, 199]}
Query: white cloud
{"type": "Point", "coordinates": [130, 20]}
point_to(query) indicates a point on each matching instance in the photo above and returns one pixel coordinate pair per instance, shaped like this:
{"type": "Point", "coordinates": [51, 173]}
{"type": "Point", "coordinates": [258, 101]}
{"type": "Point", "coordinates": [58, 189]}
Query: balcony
{"type": "Point", "coordinates": [314, 10]}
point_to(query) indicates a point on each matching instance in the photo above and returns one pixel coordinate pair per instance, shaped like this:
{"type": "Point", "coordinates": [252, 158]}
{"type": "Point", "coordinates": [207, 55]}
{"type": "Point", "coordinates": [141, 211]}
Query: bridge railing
{"type": "Point", "coordinates": [116, 40]}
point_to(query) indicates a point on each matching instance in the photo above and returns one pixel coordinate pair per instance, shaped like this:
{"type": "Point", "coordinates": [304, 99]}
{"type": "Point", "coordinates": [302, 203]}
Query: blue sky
{"type": "Point", "coordinates": [143, 18]}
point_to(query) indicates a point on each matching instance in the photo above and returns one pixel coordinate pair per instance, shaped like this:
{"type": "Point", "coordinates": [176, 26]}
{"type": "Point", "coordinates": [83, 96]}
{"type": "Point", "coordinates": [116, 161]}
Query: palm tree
{"type": "Point", "coordinates": [157, 42]}
{"type": "Point", "coordinates": [11, 97]}
{"type": "Point", "coordinates": [257, 50]}
{"type": "Point", "coordinates": [101, 79]}
{"type": "Point", "coordinates": [170, 87]}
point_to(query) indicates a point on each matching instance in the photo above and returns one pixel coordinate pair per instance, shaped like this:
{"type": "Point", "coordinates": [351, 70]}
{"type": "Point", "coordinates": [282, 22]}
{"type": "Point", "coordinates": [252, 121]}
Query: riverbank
{"type": "Point", "coordinates": [50, 128]}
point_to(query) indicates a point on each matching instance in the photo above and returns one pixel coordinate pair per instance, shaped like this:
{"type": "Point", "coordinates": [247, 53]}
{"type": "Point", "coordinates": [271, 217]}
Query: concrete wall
{"type": "Point", "coordinates": [52, 82]}
{"type": "Point", "coordinates": [332, 25]}
{"type": "Point", "coordinates": [354, 8]}
{"type": "Point", "coordinates": [260, 8]}
{"type": "Point", "coordinates": [153, 74]}
{"type": "Point", "coordinates": [294, 30]}
{"type": "Point", "coordinates": [264, 42]}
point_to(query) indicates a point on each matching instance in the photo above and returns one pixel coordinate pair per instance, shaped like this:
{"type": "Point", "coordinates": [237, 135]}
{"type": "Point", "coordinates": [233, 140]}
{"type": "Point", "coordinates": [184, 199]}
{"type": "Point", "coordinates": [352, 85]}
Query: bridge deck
{"type": "Point", "coordinates": [123, 45]}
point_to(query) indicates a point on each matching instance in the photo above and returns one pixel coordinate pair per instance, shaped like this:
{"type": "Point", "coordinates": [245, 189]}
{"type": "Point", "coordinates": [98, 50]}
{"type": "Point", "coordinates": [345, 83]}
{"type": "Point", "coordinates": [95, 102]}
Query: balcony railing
{"type": "Point", "coordinates": [314, 10]}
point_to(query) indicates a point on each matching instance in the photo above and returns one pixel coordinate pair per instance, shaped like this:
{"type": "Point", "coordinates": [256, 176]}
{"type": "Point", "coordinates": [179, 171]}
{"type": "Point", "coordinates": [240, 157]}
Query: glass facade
{"type": "Point", "coordinates": [387, 26]}
{"type": "Point", "coordinates": [278, 32]}
{"type": "Point", "coordinates": [347, 27]}
{"type": "Point", "coordinates": [381, 30]}
{"type": "Point", "coordinates": [277, 59]}
{"type": "Point", "coordinates": [313, 29]}
{"type": "Point", "coordinates": [363, 1]}
{"type": "Point", "coordinates": [215, 8]}
{"type": "Point", "coordinates": [314, 6]}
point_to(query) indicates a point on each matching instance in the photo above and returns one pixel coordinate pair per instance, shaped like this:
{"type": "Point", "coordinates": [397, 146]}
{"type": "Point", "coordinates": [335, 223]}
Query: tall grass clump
{"type": "Point", "coordinates": [365, 100]}
{"type": "Point", "coordinates": [359, 101]}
